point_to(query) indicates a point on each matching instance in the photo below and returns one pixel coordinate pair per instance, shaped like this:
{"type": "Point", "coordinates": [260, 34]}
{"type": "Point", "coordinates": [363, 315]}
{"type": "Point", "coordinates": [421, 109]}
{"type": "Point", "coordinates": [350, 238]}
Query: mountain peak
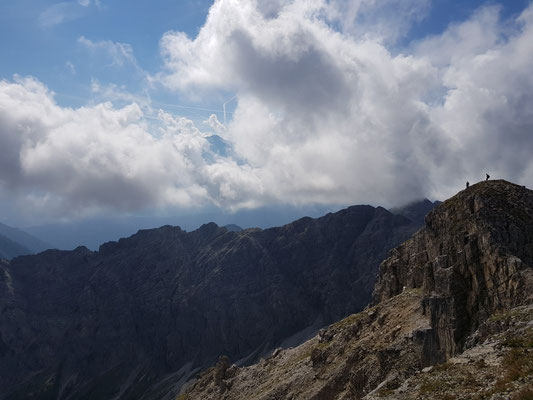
{"type": "Point", "coordinates": [416, 210]}
{"type": "Point", "coordinates": [458, 292]}
{"type": "Point", "coordinates": [473, 258]}
{"type": "Point", "coordinates": [180, 300]}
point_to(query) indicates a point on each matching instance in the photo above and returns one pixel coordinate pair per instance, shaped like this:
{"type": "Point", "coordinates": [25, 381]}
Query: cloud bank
{"type": "Point", "coordinates": [327, 112]}
{"type": "Point", "coordinates": [333, 114]}
{"type": "Point", "coordinates": [73, 162]}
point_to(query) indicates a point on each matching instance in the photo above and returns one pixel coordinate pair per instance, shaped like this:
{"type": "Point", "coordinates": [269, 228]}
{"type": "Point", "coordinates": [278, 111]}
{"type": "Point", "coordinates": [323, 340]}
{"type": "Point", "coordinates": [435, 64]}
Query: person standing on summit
{"type": "Point", "coordinates": [487, 178]}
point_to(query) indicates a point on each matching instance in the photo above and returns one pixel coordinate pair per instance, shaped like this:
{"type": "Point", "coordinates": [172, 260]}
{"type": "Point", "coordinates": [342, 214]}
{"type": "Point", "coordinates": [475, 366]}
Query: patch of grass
{"type": "Point", "coordinates": [385, 392]}
{"type": "Point", "coordinates": [524, 394]}
{"type": "Point", "coordinates": [323, 345]}
{"type": "Point", "coordinates": [431, 387]}
{"type": "Point", "coordinates": [350, 320]}
{"type": "Point", "coordinates": [414, 291]}
{"type": "Point", "coordinates": [445, 379]}
{"type": "Point", "coordinates": [182, 396]}
{"type": "Point", "coordinates": [518, 362]}
{"type": "Point", "coordinates": [508, 315]}
{"type": "Point", "coordinates": [443, 367]}
{"type": "Point", "coordinates": [522, 341]}
{"type": "Point", "coordinates": [303, 356]}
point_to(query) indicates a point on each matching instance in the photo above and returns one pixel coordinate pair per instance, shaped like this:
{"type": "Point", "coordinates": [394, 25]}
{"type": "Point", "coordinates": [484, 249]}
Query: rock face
{"type": "Point", "coordinates": [473, 259]}
{"type": "Point", "coordinates": [344, 361]}
{"type": "Point", "coordinates": [460, 289]}
{"type": "Point", "coordinates": [498, 367]}
{"type": "Point", "coordinates": [137, 318]}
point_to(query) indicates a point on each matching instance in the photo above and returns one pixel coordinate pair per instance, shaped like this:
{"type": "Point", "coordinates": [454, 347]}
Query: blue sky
{"type": "Point", "coordinates": [41, 38]}
{"type": "Point", "coordinates": [109, 107]}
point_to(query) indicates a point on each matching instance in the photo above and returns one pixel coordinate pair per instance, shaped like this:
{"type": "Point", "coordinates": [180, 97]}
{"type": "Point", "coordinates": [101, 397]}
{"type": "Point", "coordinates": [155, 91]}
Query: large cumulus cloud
{"type": "Point", "coordinates": [327, 112]}
{"type": "Point", "coordinates": [77, 161]}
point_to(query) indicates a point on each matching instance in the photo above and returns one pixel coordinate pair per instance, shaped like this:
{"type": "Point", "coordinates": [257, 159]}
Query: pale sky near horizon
{"type": "Point", "coordinates": [110, 107]}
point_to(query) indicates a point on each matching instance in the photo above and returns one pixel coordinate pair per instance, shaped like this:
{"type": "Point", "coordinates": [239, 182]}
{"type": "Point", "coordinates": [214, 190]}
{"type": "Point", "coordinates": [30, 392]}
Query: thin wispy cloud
{"type": "Point", "coordinates": [71, 68]}
{"type": "Point", "coordinates": [120, 54]}
{"type": "Point", "coordinates": [65, 11]}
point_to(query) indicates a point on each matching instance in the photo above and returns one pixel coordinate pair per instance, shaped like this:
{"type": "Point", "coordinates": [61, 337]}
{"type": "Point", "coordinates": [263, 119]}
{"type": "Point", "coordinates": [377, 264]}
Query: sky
{"type": "Point", "coordinates": [111, 108]}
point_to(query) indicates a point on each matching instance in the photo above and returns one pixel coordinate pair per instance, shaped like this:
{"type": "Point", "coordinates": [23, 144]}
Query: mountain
{"type": "Point", "coordinates": [10, 249]}
{"type": "Point", "coordinates": [92, 232]}
{"type": "Point", "coordinates": [452, 317]}
{"type": "Point", "coordinates": [417, 210]}
{"type": "Point", "coordinates": [233, 228]}
{"type": "Point", "coordinates": [28, 243]}
{"type": "Point", "coordinates": [139, 317]}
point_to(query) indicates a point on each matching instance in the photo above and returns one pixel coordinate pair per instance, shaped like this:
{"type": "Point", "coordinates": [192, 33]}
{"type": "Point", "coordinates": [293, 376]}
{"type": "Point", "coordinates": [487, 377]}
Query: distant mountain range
{"type": "Point", "coordinates": [95, 231]}
{"type": "Point", "coordinates": [15, 242]}
{"type": "Point", "coordinates": [141, 316]}
{"type": "Point", "coordinates": [91, 233]}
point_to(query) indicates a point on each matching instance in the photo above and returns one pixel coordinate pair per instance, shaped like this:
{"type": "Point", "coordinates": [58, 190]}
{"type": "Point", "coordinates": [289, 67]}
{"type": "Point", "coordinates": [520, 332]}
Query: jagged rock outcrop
{"type": "Point", "coordinates": [473, 259]}
{"type": "Point", "coordinates": [137, 318]}
{"type": "Point", "coordinates": [464, 282]}
{"type": "Point", "coordinates": [498, 367]}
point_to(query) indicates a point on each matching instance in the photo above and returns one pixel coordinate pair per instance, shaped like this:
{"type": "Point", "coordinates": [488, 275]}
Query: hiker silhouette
{"type": "Point", "coordinates": [487, 178]}
{"type": "Point", "coordinates": [467, 184]}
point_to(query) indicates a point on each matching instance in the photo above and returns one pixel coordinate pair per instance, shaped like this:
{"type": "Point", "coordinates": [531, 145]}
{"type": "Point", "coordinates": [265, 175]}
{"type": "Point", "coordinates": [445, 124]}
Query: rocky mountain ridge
{"type": "Point", "coordinates": [454, 299]}
{"type": "Point", "coordinates": [138, 318]}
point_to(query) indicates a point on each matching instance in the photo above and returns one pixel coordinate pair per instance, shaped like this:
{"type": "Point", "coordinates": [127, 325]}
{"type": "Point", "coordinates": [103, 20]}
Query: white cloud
{"type": "Point", "coordinates": [77, 161]}
{"type": "Point", "coordinates": [64, 11]}
{"type": "Point", "coordinates": [326, 112]}
{"type": "Point", "coordinates": [58, 13]}
{"type": "Point", "coordinates": [71, 67]}
{"type": "Point", "coordinates": [215, 124]}
{"type": "Point", "coordinates": [383, 21]}
{"type": "Point", "coordinates": [120, 94]}
{"type": "Point", "coordinates": [120, 54]}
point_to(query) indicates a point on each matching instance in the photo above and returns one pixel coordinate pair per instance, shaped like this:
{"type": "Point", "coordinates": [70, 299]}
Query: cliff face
{"type": "Point", "coordinates": [473, 259]}
{"type": "Point", "coordinates": [464, 282]}
{"type": "Point", "coordinates": [138, 317]}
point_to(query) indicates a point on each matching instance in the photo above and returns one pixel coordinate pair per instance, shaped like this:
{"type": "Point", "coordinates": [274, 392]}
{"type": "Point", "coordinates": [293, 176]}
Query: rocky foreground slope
{"type": "Point", "coordinates": [137, 318]}
{"type": "Point", "coordinates": [453, 318]}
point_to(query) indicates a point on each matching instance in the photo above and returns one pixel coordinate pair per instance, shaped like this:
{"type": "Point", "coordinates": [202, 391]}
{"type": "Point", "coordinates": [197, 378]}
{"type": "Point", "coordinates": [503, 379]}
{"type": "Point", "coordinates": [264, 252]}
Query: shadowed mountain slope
{"type": "Point", "coordinates": [140, 316]}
